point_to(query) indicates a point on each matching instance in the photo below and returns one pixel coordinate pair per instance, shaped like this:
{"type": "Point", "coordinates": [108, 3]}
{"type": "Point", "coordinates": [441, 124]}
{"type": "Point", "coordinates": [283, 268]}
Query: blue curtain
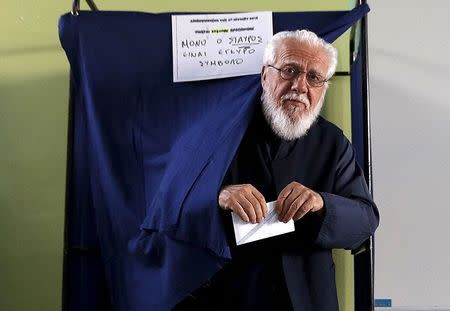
{"type": "Point", "coordinates": [148, 158]}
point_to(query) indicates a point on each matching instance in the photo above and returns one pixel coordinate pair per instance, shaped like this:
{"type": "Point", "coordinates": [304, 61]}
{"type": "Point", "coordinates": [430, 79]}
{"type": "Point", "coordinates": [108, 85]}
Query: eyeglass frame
{"type": "Point", "coordinates": [298, 74]}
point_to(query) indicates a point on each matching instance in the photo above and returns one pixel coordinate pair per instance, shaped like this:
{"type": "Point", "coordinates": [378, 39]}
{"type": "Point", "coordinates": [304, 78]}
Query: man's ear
{"type": "Point", "coordinates": [263, 74]}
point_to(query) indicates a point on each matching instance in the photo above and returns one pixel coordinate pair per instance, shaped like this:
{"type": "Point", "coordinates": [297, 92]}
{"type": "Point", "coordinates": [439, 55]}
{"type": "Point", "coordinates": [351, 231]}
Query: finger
{"type": "Point", "coordinates": [296, 192]}
{"type": "Point", "coordinates": [248, 207]}
{"type": "Point", "coordinates": [237, 208]}
{"type": "Point", "coordinates": [262, 201]}
{"type": "Point", "coordinates": [281, 198]}
{"type": "Point", "coordinates": [256, 206]}
{"type": "Point", "coordinates": [317, 203]}
{"type": "Point", "coordinates": [296, 205]}
{"type": "Point", "coordinates": [306, 207]}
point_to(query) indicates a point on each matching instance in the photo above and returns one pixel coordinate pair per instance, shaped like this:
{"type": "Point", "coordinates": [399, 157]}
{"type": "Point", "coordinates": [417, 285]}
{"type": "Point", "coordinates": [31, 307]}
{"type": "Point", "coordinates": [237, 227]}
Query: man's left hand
{"type": "Point", "coordinates": [295, 200]}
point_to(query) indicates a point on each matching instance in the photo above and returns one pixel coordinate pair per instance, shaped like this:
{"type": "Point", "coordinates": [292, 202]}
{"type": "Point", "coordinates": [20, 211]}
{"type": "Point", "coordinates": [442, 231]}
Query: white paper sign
{"type": "Point", "coordinates": [211, 46]}
{"type": "Point", "coordinates": [247, 232]}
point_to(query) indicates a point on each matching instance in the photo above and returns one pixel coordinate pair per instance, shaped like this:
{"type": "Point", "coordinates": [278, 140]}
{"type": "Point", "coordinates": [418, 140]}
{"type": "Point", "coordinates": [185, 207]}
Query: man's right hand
{"type": "Point", "coordinates": [245, 200]}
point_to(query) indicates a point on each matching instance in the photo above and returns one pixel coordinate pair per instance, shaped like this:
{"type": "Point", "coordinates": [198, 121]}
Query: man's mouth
{"type": "Point", "coordinates": [295, 104]}
{"type": "Point", "coordinates": [295, 101]}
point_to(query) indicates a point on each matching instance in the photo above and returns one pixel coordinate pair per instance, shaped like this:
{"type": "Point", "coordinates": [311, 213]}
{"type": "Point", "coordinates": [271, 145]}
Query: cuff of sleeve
{"type": "Point", "coordinates": [329, 219]}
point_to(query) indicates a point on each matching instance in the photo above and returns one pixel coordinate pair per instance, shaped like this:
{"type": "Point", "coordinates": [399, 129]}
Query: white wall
{"type": "Point", "coordinates": [409, 50]}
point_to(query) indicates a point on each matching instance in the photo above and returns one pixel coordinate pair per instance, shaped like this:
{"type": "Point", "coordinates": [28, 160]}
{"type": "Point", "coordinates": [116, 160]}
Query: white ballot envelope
{"type": "Point", "coordinates": [247, 232]}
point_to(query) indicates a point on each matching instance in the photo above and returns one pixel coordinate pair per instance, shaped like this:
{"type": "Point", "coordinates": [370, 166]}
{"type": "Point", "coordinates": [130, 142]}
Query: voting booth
{"type": "Point", "coordinates": [158, 105]}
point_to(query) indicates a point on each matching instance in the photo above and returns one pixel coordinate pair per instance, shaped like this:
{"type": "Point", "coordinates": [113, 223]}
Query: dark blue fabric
{"type": "Point", "coordinates": [150, 155]}
{"type": "Point", "coordinates": [357, 110]}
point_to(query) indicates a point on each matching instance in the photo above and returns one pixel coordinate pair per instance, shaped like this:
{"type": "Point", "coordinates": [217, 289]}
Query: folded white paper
{"type": "Point", "coordinates": [247, 232]}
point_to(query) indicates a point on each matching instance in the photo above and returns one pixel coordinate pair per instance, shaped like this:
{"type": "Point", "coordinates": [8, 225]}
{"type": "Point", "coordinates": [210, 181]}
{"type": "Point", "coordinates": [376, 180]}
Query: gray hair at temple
{"type": "Point", "coordinates": [302, 36]}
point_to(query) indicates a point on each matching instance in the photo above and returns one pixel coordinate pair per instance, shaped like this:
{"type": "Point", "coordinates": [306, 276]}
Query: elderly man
{"type": "Point", "coordinates": [291, 155]}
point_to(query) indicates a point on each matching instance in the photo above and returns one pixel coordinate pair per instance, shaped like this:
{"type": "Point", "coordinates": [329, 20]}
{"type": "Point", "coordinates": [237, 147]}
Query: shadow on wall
{"type": "Point", "coordinates": [33, 139]}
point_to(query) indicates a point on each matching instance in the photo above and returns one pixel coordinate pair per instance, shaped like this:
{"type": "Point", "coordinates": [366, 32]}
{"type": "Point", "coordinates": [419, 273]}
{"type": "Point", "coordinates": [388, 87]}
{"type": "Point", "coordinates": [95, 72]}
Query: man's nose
{"type": "Point", "coordinates": [299, 83]}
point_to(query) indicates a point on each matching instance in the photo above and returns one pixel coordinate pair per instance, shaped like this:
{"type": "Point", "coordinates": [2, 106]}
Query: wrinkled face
{"type": "Point", "coordinates": [295, 97]}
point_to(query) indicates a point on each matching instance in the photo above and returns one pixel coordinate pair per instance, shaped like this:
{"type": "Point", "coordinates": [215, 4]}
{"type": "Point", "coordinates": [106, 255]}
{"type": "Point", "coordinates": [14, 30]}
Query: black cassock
{"type": "Point", "coordinates": [294, 271]}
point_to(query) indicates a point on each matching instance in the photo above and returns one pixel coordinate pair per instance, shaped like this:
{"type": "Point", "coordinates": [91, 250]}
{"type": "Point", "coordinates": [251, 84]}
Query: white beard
{"type": "Point", "coordinates": [285, 126]}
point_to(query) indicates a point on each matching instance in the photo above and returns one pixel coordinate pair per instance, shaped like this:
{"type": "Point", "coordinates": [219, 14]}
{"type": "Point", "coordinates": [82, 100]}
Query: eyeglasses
{"type": "Point", "coordinates": [290, 73]}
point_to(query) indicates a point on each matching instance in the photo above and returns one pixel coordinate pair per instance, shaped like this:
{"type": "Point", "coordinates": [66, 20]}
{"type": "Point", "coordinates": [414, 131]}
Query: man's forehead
{"type": "Point", "coordinates": [293, 51]}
